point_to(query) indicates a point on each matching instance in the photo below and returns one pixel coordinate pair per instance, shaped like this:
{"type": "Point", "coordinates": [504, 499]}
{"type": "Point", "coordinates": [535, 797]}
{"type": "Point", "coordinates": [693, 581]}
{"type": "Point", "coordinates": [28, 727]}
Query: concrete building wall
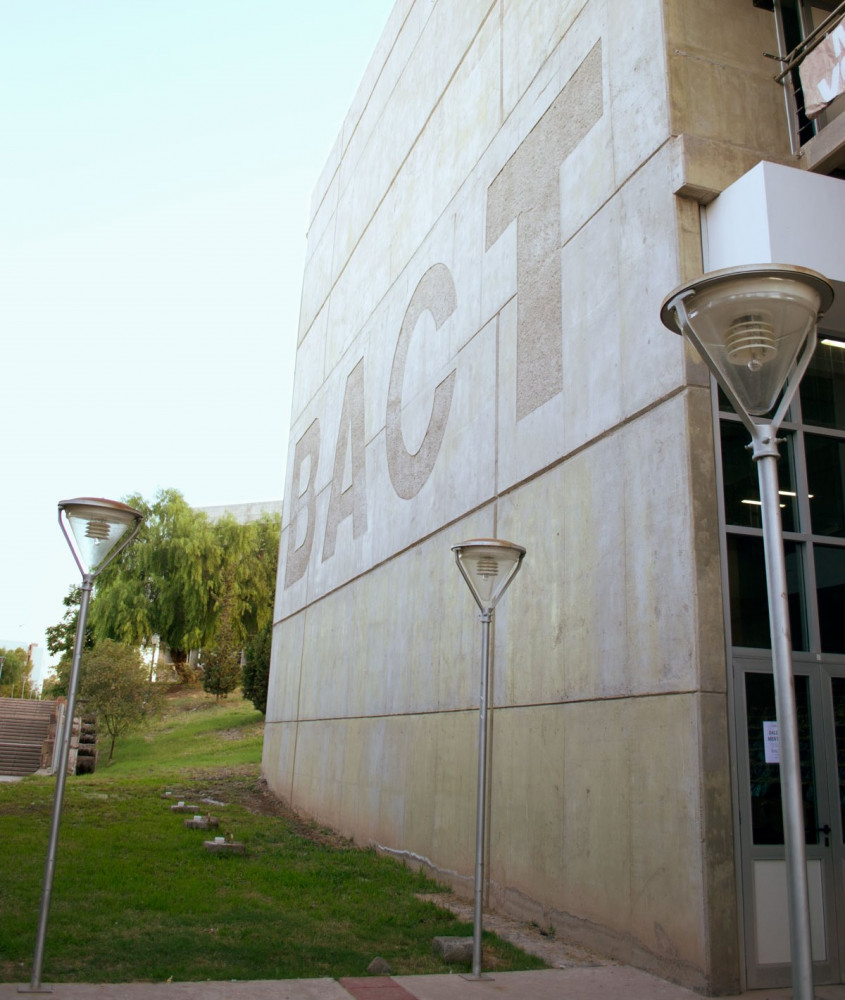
{"type": "Point", "coordinates": [515, 189]}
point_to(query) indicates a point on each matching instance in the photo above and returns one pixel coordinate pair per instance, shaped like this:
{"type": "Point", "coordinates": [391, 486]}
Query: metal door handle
{"type": "Point", "coordinates": [826, 830]}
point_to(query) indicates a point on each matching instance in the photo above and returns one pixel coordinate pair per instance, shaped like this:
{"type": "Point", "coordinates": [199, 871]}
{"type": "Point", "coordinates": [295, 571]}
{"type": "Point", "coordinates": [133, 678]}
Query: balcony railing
{"type": "Point", "coordinates": [813, 76]}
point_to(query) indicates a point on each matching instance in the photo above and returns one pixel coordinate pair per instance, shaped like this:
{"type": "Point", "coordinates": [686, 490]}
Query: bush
{"type": "Point", "coordinates": [256, 676]}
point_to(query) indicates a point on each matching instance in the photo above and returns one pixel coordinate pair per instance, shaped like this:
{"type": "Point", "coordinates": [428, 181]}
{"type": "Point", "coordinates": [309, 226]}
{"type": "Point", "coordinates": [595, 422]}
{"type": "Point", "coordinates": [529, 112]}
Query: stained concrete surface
{"type": "Point", "coordinates": [609, 982]}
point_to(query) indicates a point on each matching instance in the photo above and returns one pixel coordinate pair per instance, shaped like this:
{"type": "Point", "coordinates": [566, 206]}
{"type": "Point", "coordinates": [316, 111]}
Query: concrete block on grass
{"type": "Point", "coordinates": [454, 949]}
{"type": "Point", "coordinates": [220, 846]}
{"type": "Point", "coordinates": [202, 823]}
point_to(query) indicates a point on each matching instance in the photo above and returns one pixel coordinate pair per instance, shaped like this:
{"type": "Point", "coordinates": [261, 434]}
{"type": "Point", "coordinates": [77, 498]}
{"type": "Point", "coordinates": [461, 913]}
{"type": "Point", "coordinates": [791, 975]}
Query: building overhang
{"type": "Point", "coordinates": [780, 215]}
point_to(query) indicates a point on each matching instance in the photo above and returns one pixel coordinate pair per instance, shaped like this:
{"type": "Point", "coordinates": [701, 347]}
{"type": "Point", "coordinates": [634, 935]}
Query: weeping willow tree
{"type": "Point", "coordinates": [171, 581]}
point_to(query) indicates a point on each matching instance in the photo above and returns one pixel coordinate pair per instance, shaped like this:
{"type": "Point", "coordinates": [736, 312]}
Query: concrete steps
{"type": "Point", "coordinates": [25, 726]}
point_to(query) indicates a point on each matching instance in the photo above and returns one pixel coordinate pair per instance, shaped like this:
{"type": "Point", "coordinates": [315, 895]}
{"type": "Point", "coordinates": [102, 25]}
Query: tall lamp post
{"type": "Point", "coordinates": [755, 328]}
{"type": "Point", "coordinates": [488, 565]}
{"type": "Point", "coordinates": [99, 530]}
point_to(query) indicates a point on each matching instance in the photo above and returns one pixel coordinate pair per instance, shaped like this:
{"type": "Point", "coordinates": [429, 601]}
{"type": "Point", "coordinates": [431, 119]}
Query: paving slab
{"type": "Point", "coordinates": [612, 982]}
{"type": "Point", "coordinates": [376, 988]}
{"type": "Point", "coordinates": [608, 982]}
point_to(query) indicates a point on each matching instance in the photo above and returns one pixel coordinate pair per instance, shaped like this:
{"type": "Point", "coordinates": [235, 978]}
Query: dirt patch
{"type": "Point", "coordinates": [241, 787]}
{"type": "Point", "coordinates": [544, 943]}
{"type": "Point", "coordinates": [232, 734]}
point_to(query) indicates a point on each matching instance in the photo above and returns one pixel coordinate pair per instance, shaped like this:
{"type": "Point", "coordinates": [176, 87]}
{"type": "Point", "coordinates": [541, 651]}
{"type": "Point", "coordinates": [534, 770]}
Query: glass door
{"type": "Point", "coordinates": [812, 497]}
{"type": "Point", "coordinates": [833, 693]}
{"type": "Point", "coordinates": [820, 702]}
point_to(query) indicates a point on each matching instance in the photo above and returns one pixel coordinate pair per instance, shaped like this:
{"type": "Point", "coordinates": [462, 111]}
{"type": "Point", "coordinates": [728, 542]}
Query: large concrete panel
{"type": "Point", "coordinates": [621, 619]}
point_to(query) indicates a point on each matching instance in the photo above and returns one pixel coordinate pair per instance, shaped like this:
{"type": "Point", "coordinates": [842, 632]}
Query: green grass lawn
{"type": "Point", "coordinates": [137, 897]}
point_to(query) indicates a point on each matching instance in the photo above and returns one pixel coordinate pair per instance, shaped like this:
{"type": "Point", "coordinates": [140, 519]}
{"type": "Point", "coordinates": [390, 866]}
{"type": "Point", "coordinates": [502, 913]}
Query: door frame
{"type": "Point", "coordinates": [825, 864]}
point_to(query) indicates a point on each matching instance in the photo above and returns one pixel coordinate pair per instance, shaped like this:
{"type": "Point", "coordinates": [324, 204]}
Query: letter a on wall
{"type": "Point", "coordinates": [350, 436]}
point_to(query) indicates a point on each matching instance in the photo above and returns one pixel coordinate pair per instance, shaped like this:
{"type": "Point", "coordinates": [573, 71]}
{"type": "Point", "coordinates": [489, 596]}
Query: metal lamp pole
{"type": "Point", "coordinates": [487, 565]}
{"type": "Point", "coordinates": [486, 618]}
{"type": "Point", "coordinates": [755, 328]}
{"type": "Point", "coordinates": [97, 526]}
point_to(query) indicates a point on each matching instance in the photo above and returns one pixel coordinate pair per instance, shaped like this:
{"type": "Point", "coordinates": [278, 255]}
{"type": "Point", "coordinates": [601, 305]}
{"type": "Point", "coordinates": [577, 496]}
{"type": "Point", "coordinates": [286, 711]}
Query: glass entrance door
{"type": "Point", "coordinates": [812, 496]}
{"type": "Point", "coordinates": [820, 701]}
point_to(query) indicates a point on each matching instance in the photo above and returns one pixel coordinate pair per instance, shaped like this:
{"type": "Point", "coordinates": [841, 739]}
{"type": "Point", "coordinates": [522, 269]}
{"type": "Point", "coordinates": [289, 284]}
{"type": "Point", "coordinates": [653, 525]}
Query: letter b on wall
{"type": "Point", "coordinates": [307, 447]}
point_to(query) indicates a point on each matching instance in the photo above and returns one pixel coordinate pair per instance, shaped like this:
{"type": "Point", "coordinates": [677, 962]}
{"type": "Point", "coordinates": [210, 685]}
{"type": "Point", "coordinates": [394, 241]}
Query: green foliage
{"type": "Point", "coordinates": [248, 555]}
{"type": "Point", "coordinates": [161, 584]}
{"type": "Point", "coordinates": [56, 684]}
{"type": "Point", "coordinates": [16, 670]}
{"type": "Point", "coordinates": [256, 673]}
{"type": "Point", "coordinates": [221, 661]}
{"type": "Point", "coordinates": [113, 684]}
{"type": "Point", "coordinates": [170, 580]}
{"type": "Point", "coordinates": [61, 637]}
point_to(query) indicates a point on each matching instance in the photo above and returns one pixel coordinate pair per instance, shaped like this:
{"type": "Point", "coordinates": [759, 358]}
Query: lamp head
{"type": "Point", "coordinates": [97, 526]}
{"type": "Point", "coordinates": [488, 565]}
{"type": "Point", "coordinates": [750, 324]}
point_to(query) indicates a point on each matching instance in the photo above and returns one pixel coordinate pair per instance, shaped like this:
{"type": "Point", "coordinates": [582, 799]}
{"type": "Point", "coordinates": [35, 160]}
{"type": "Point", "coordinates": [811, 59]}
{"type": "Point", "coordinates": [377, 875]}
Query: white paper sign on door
{"type": "Point", "coordinates": [771, 742]}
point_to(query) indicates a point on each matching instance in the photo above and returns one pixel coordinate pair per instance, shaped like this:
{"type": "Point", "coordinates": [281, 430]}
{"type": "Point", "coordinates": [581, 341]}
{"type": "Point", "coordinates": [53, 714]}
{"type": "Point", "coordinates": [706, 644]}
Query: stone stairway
{"type": "Point", "coordinates": [25, 726]}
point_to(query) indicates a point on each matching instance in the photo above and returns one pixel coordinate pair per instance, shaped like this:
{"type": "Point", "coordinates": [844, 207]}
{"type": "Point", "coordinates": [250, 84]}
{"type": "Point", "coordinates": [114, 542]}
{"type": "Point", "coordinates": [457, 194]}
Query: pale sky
{"type": "Point", "coordinates": [157, 159]}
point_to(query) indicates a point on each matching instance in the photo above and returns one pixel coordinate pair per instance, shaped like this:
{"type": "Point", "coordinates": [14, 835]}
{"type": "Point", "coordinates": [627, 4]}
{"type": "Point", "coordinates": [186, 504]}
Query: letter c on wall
{"type": "Point", "coordinates": [436, 294]}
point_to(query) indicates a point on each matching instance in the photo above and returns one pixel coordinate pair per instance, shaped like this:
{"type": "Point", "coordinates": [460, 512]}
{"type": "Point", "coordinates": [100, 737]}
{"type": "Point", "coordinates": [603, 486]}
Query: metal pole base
{"type": "Point", "coordinates": [35, 989]}
{"type": "Point", "coordinates": [471, 977]}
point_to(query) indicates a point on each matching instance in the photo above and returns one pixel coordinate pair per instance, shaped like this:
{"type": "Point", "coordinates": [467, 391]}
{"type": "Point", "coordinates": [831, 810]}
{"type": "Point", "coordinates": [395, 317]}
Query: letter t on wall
{"type": "Point", "coordinates": [528, 189]}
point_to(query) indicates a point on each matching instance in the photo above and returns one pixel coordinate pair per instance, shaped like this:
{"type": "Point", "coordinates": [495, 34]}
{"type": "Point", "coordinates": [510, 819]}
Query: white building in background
{"type": "Point", "coordinates": [243, 513]}
{"type": "Point", "coordinates": [517, 185]}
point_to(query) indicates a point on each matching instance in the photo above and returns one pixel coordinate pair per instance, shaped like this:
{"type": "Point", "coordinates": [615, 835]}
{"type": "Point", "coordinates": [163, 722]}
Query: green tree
{"type": "Point", "coordinates": [250, 554]}
{"type": "Point", "coordinates": [170, 581]}
{"type": "Point", "coordinates": [51, 687]}
{"type": "Point", "coordinates": [221, 661]}
{"type": "Point", "coordinates": [16, 669]}
{"type": "Point", "coordinates": [163, 583]}
{"type": "Point", "coordinates": [256, 675]}
{"type": "Point", "coordinates": [61, 639]}
{"type": "Point", "coordinates": [113, 684]}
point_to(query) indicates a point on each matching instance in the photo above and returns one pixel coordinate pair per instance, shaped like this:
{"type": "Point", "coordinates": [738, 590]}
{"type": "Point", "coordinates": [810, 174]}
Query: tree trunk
{"type": "Point", "coordinates": [184, 671]}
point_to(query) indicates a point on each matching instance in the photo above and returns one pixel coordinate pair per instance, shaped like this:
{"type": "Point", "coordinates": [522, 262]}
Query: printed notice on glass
{"type": "Point", "coordinates": [771, 742]}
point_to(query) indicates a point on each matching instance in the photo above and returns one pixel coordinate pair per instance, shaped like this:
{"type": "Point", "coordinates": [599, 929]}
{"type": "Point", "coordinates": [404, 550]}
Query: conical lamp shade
{"type": "Point", "coordinates": [488, 565]}
{"type": "Point", "coordinates": [750, 323]}
{"type": "Point", "coordinates": [97, 525]}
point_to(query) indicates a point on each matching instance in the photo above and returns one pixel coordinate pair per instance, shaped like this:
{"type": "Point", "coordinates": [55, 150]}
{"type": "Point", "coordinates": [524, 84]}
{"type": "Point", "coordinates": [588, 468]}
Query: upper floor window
{"type": "Point", "coordinates": [812, 491]}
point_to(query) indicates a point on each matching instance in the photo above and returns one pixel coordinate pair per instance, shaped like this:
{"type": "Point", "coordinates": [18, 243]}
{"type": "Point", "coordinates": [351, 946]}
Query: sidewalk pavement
{"type": "Point", "coordinates": [608, 982]}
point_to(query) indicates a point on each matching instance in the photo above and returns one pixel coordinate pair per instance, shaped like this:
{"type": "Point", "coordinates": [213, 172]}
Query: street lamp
{"type": "Point", "coordinates": [755, 328]}
{"type": "Point", "coordinates": [488, 565]}
{"type": "Point", "coordinates": [100, 529]}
